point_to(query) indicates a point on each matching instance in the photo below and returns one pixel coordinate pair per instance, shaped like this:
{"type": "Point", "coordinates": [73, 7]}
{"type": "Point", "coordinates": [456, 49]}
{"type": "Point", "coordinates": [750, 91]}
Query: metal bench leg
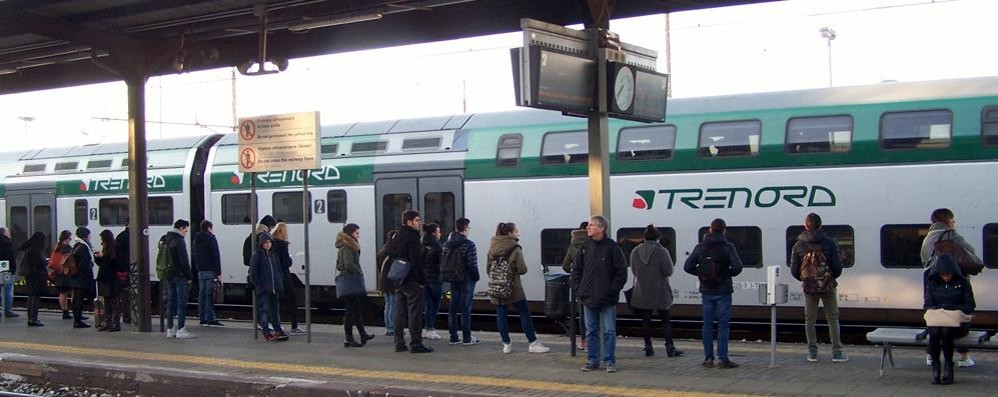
{"type": "Point", "coordinates": [890, 354]}
{"type": "Point", "coordinates": [883, 357]}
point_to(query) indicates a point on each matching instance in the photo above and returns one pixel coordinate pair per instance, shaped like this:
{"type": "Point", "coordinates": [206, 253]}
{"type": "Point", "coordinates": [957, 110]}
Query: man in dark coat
{"type": "Point", "coordinates": [178, 280]}
{"type": "Point", "coordinates": [7, 254]}
{"type": "Point", "coordinates": [716, 294]}
{"type": "Point", "coordinates": [814, 238]}
{"type": "Point", "coordinates": [599, 273]}
{"type": "Point", "coordinates": [410, 296]}
{"type": "Point", "coordinates": [208, 265]}
{"type": "Point", "coordinates": [462, 291]}
{"type": "Point", "coordinates": [83, 282]}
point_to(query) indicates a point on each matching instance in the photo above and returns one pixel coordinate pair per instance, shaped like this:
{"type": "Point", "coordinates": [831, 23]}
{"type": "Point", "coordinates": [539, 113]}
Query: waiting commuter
{"type": "Point", "coordinates": [32, 267]}
{"type": "Point", "coordinates": [351, 277]}
{"type": "Point", "coordinates": [7, 254]}
{"type": "Point", "coordinates": [599, 273]}
{"type": "Point", "coordinates": [944, 227]}
{"type": "Point", "coordinates": [715, 261]}
{"type": "Point", "coordinates": [462, 286]}
{"type": "Point", "coordinates": [178, 285]}
{"type": "Point", "coordinates": [62, 248]}
{"type": "Point", "coordinates": [386, 287]}
{"type": "Point", "coordinates": [123, 257]}
{"type": "Point", "coordinates": [266, 225]}
{"type": "Point", "coordinates": [207, 263]}
{"type": "Point", "coordinates": [814, 246]}
{"type": "Point", "coordinates": [578, 238]}
{"type": "Point", "coordinates": [289, 296]}
{"type": "Point", "coordinates": [409, 305]}
{"type": "Point", "coordinates": [946, 288]}
{"type": "Point", "coordinates": [265, 275]}
{"type": "Point", "coordinates": [108, 286]}
{"type": "Point", "coordinates": [505, 247]}
{"type": "Point", "coordinates": [652, 266]}
{"type": "Point", "coordinates": [83, 281]}
{"type": "Point", "coordinates": [431, 268]}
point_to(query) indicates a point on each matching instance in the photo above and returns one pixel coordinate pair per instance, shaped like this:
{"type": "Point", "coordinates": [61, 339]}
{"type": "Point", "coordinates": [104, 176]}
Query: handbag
{"type": "Point", "coordinates": [349, 284]}
{"type": "Point", "coordinates": [945, 318]}
{"type": "Point", "coordinates": [969, 263]}
{"type": "Point", "coordinates": [398, 271]}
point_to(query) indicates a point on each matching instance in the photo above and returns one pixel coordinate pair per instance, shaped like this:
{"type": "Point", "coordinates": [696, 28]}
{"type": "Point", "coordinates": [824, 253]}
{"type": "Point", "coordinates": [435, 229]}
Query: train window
{"type": "Point", "coordinates": [554, 245]}
{"type": "Point", "coordinates": [843, 235]}
{"type": "Point", "coordinates": [646, 143]}
{"type": "Point", "coordinates": [926, 129]}
{"type": "Point", "coordinates": [989, 125]}
{"type": "Point", "coordinates": [569, 147]}
{"type": "Point", "coordinates": [369, 147]}
{"type": "Point", "coordinates": [124, 162]}
{"type": "Point", "coordinates": [508, 151]}
{"type": "Point", "coordinates": [236, 209]}
{"type": "Point", "coordinates": [160, 211]}
{"type": "Point", "coordinates": [730, 138]}
{"type": "Point", "coordinates": [288, 207]}
{"type": "Point", "coordinates": [114, 211]}
{"type": "Point", "coordinates": [98, 164]}
{"type": "Point", "coordinates": [34, 168]}
{"type": "Point", "coordinates": [66, 166]}
{"type": "Point", "coordinates": [81, 212]}
{"type": "Point", "coordinates": [330, 149]}
{"type": "Point", "coordinates": [747, 241]}
{"type": "Point", "coordinates": [629, 238]}
{"type": "Point", "coordinates": [421, 143]}
{"type": "Point", "coordinates": [336, 201]}
{"type": "Point", "coordinates": [393, 206]}
{"type": "Point", "coordinates": [990, 256]}
{"type": "Point", "coordinates": [42, 217]}
{"type": "Point", "coordinates": [901, 246]}
{"type": "Point", "coordinates": [18, 225]}
{"type": "Point", "coordinates": [438, 207]}
{"type": "Point", "coordinates": [819, 134]}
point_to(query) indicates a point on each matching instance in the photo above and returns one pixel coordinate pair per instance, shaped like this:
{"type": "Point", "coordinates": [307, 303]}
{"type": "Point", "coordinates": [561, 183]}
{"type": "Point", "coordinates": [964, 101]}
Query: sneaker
{"type": "Point", "coordinates": [928, 360]}
{"type": "Point", "coordinates": [389, 333]}
{"type": "Point", "coordinates": [590, 367]}
{"type": "Point", "coordinates": [171, 333]}
{"type": "Point", "coordinates": [270, 336]}
{"type": "Point", "coordinates": [582, 344]}
{"type": "Point", "coordinates": [215, 323]}
{"type": "Point", "coordinates": [725, 363]}
{"type": "Point", "coordinates": [12, 315]}
{"type": "Point", "coordinates": [537, 347]}
{"type": "Point", "coordinates": [183, 334]}
{"type": "Point", "coordinates": [455, 342]}
{"type": "Point", "coordinates": [472, 341]}
{"type": "Point", "coordinates": [611, 368]}
{"type": "Point", "coordinates": [708, 363]}
{"type": "Point", "coordinates": [297, 331]}
{"type": "Point", "coordinates": [969, 362]}
{"type": "Point", "coordinates": [433, 335]}
{"type": "Point", "coordinates": [839, 357]}
{"type": "Point", "coordinates": [507, 348]}
{"type": "Point", "coordinates": [812, 357]}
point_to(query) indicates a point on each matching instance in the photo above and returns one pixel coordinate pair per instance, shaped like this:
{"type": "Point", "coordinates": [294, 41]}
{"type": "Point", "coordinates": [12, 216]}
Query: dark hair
{"type": "Point", "coordinates": [584, 225]}
{"type": "Point", "coordinates": [942, 215]}
{"type": "Point", "coordinates": [718, 226]}
{"type": "Point", "coordinates": [461, 224]}
{"type": "Point", "coordinates": [206, 224]}
{"type": "Point", "coordinates": [408, 216]}
{"type": "Point", "coordinates": [651, 233]}
{"type": "Point", "coordinates": [812, 221]}
{"type": "Point", "coordinates": [350, 228]}
{"type": "Point", "coordinates": [108, 246]}
{"type": "Point", "coordinates": [504, 229]}
{"type": "Point", "coordinates": [65, 235]}
{"type": "Point", "coordinates": [430, 228]}
{"type": "Point", "coordinates": [180, 223]}
{"type": "Point", "coordinates": [82, 232]}
{"type": "Point", "coordinates": [37, 240]}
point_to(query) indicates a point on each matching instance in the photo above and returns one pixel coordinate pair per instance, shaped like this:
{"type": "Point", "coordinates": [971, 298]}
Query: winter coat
{"type": "Point", "coordinates": [348, 254]}
{"type": "Point", "coordinates": [936, 232]}
{"type": "Point", "coordinates": [384, 284]}
{"type": "Point", "coordinates": [35, 272]}
{"type": "Point", "coordinates": [205, 257]}
{"type": "Point", "coordinates": [282, 250]}
{"type": "Point", "coordinates": [122, 256]}
{"type": "Point", "coordinates": [177, 247]}
{"type": "Point", "coordinates": [84, 278]}
{"type": "Point", "coordinates": [7, 253]}
{"type": "Point", "coordinates": [599, 273]}
{"type": "Point", "coordinates": [107, 276]}
{"type": "Point", "coordinates": [467, 249]}
{"type": "Point", "coordinates": [828, 247]}
{"type": "Point", "coordinates": [957, 294]}
{"type": "Point", "coordinates": [265, 271]}
{"type": "Point", "coordinates": [507, 247]}
{"type": "Point", "coordinates": [724, 285]}
{"type": "Point", "coordinates": [406, 245]}
{"type": "Point", "coordinates": [579, 236]}
{"type": "Point", "coordinates": [432, 254]}
{"type": "Point", "coordinates": [652, 267]}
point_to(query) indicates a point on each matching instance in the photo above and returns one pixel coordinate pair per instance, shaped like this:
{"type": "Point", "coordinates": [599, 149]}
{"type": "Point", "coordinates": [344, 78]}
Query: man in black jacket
{"type": "Point", "coordinates": [7, 254]}
{"type": "Point", "coordinates": [208, 265]}
{"type": "Point", "coordinates": [715, 261]}
{"type": "Point", "coordinates": [599, 273]}
{"type": "Point", "coordinates": [814, 239]}
{"type": "Point", "coordinates": [410, 304]}
{"type": "Point", "coordinates": [178, 280]}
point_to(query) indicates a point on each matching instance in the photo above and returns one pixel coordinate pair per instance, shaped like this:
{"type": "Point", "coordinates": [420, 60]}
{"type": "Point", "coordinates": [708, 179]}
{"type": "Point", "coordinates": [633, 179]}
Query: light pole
{"type": "Point", "coordinates": [829, 34]}
{"type": "Point", "coordinates": [26, 120]}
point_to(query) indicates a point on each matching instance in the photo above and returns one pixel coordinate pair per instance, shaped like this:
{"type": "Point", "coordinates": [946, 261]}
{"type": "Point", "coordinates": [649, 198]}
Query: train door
{"type": "Point", "coordinates": [439, 199]}
{"type": "Point", "coordinates": [30, 212]}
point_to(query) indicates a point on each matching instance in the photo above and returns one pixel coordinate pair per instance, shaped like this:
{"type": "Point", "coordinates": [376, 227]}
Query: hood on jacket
{"type": "Point", "coordinates": [455, 239]}
{"type": "Point", "coordinates": [710, 238]}
{"type": "Point", "coordinates": [646, 249]}
{"type": "Point", "coordinates": [578, 236]}
{"type": "Point", "coordinates": [812, 236]}
{"type": "Point", "coordinates": [502, 246]}
{"type": "Point", "coordinates": [264, 237]}
{"type": "Point", "coordinates": [343, 239]}
{"type": "Point", "coordinates": [945, 264]}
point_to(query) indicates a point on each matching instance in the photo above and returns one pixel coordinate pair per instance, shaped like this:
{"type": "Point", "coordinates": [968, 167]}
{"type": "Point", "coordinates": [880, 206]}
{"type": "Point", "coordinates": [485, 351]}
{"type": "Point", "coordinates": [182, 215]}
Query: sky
{"type": "Point", "coordinates": [756, 48]}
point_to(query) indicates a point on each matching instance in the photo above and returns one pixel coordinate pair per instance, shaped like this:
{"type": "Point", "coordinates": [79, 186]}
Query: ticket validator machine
{"type": "Point", "coordinates": [772, 293]}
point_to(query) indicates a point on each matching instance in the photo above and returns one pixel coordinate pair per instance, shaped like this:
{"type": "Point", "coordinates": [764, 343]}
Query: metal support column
{"type": "Point", "coordinates": [138, 214]}
{"type": "Point", "coordinates": [599, 158]}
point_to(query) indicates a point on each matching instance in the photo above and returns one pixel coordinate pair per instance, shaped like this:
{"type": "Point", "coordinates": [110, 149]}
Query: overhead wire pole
{"type": "Point", "coordinates": [599, 124]}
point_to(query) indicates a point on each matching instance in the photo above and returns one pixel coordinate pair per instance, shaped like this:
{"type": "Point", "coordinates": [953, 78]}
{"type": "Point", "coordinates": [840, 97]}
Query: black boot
{"type": "Point", "coordinates": [935, 372]}
{"type": "Point", "coordinates": [66, 315]}
{"type": "Point", "coordinates": [350, 342]}
{"type": "Point", "coordinates": [649, 351]}
{"type": "Point", "coordinates": [672, 351]}
{"type": "Point", "coordinates": [947, 373]}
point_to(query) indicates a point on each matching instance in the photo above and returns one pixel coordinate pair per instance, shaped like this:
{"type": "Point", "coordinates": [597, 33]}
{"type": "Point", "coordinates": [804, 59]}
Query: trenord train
{"type": "Point", "coordinates": [873, 161]}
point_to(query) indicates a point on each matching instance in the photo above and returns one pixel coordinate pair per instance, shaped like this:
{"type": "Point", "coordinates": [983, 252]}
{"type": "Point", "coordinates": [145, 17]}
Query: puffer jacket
{"type": "Point", "coordinates": [347, 254]}
{"type": "Point", "coordinates": [957, 294]}
{"type": "Point", "coordinates": [507, 247]}
{"type": "Point", "coordinates": [432, 254]}
{"type": "Point", "coordinates": [828, 247]}
{"type": "Point", "coordinates": [468, 251]}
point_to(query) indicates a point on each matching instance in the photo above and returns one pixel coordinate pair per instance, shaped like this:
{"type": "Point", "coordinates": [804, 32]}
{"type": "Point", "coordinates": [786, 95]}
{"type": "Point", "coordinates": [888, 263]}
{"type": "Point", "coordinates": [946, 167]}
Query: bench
{"type": "Point", "coordinates": [888, 337]}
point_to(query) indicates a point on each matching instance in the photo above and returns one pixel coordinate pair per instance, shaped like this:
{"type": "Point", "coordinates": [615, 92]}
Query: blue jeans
{"type": "Point", "coordinates": [269, 306]}
{"type": "Point", "coordinates": [718, 306]}
{"type": "Point", "coordinates": [206, 296]}
{"type": "Point", "coordinates": [433, 292]}
{"type": "Point", "coordinates": [596, 317]}
{"type": "Point", "coordinates": [177, 294]}
{"type": "Point", "coordinates": [8, 296]}
{"type": "Point", "coordinates": [389, 310]}
{"type": "Point", "coordinates": [461, 295]}
{"type": "Point", "coordinates": [502, 321]}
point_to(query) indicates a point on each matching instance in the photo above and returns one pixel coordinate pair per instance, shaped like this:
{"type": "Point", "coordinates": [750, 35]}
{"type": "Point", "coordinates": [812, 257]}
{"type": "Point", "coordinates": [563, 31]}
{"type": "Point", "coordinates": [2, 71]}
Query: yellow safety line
{"type": "Point", "coordinates": [356, 373]}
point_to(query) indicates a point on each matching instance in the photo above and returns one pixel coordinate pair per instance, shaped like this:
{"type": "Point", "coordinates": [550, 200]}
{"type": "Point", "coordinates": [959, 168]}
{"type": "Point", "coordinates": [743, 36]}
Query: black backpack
{"type": "Point", "coordinates": [713, 263]}
{"type": "Point", "coordinates": [452, 266]}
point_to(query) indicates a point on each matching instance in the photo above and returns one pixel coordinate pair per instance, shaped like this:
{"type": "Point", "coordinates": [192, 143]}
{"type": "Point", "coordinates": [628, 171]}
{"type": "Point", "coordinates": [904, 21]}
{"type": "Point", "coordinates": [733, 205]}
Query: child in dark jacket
{"type": "Point", "coordinates": [946, 288]}
{"type": "Point", "coordinates": [268, 283]}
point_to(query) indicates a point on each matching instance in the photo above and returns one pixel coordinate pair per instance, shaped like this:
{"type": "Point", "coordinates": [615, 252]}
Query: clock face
{"type": "Point", "coordinates": [623, 88]}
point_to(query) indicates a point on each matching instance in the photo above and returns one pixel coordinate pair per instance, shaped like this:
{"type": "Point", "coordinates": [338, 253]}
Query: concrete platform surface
{"type": "Point", "coordinates": [229, 362]}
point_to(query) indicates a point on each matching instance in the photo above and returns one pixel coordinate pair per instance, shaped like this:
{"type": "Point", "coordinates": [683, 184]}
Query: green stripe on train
{"type": "Point", "coordinates": [328, 175]}
{"type": "Point", "coordinates": [117, 185]}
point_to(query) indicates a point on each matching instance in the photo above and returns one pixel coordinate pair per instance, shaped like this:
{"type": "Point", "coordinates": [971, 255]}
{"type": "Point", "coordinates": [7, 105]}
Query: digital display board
{"type": "Point", "coordinates": [561, 81]}
{"type": "Point", "coordinates": [650, 90]}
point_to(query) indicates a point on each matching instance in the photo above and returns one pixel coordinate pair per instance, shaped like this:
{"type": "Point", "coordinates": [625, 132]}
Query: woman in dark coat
{"type": "Point", "coordinates": [108, 286]}
{"type": "Point", "coordinates": [947, 288]}
{"type": "Point", "coordinates": [348, 264]}
{"type": "Point", "coordinates": [83, 281]}
{"type": "Point", "coordinates": [289, 298]}
{"type": "Point", "coordinates": [652, 266]}
{"type": "Point", "coordinates": [33, 268]}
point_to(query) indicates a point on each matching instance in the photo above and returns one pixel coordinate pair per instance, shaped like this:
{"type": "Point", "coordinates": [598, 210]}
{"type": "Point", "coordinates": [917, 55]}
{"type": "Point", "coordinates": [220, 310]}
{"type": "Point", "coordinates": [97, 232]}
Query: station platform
{"type": "Point", "coordinates": [229, 362]}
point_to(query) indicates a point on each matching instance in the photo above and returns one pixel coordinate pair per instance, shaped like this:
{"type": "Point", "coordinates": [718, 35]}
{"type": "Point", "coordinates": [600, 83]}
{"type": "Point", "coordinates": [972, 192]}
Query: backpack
{"type": "Point", "coordinates": [713, 262]}
{"type": "Point", "coordinates": [815, 275]}
{"type": "Point", "coordinates": [452, 267]}
{"type": "Point", "coordinates": [164, 261]}
{"type": "Point", "coordinates": [55, 260]}
{"type": "Point", "coordinates": [69, 265]}
{"type": "Point", "coordinates": [500, 278]}
{"type": "Point", "coordinates": [969, 264]}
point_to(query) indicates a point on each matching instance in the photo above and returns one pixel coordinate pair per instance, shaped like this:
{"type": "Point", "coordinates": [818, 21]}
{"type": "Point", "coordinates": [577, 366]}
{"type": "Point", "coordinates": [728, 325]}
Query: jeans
{"type": "Point", "coordinates": [605, 317]}
{"type": "Point", "coordinates": [177, 295]}
{"type": "Point", "coordinates": [389, 310]}
{"type": "Point", "coordinates": [502, 321]}
{"type": "Point", "coordinates": [8, 296]}
{"type": "Point", "coordinates": [269, 307]}
{"type": "Point", "coordinates": [461, 295]}
{"type": "Point", "coordinates": [206, 296]}
{"type": "Point", "coordinates": [409, 312]}
{"type": "Point", "coordinates": [831, 301]}
{"type": "Point", "coordinates": [718, 306]}
{"type": "Point", "coordinates": [433, 295]}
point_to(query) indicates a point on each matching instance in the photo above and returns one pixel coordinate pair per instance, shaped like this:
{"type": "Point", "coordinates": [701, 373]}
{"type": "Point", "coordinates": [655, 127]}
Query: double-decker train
{"type": "Point", "coordinates": [873, 161]}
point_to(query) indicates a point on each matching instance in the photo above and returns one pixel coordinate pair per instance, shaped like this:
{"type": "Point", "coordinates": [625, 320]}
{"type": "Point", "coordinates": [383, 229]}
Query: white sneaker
{"type": "Point", "coordinates": [183, 334]}
{"type": "Point", "coordinates": [434, 334]}
{"type": "Point", "coordinates": [507, 348]}
{"type": "Point", "coordinates": [928, 359]}
{"type": "Point", "coordinates": [171, 333]}
{"type": "Point", "coordinates": [969, 362]}
{"type": "Point", "coordinates": [538, 347]}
